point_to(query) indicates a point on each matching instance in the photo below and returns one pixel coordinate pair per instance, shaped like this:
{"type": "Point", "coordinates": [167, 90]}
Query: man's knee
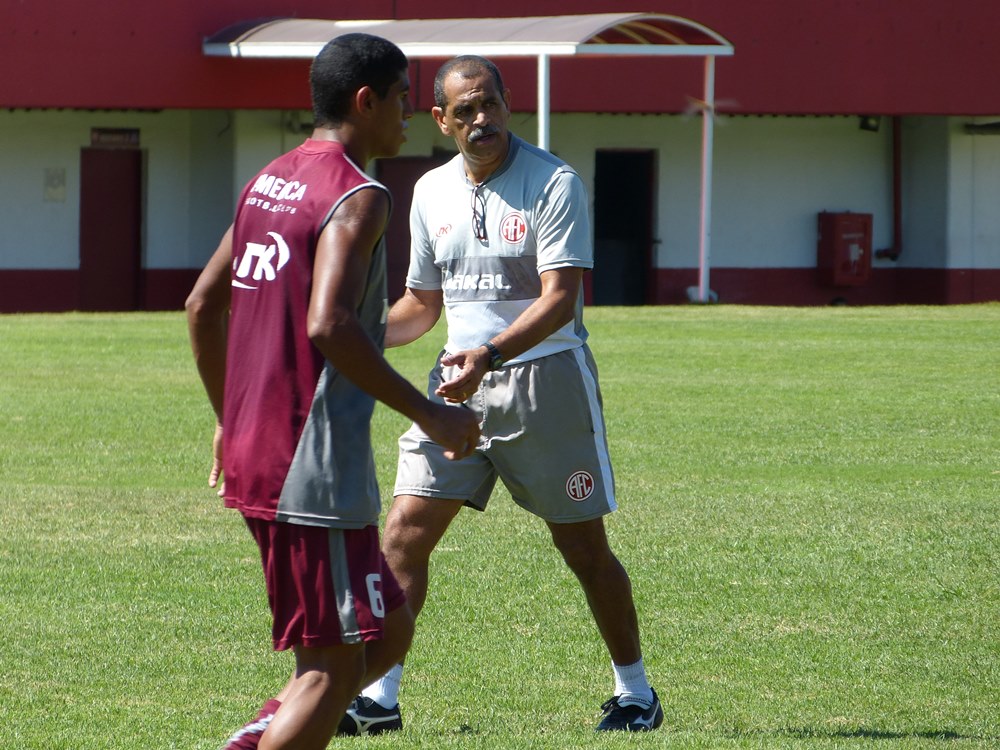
{"type": "Point", "coordinates": [328, 667]}
{"type": "Point", "coordinates": [414, 526]}
{"type": "Point", "coordinates": [400, 624]}
{"type": "Point", "coordinates": [589, 562]}
{"type": "Point", "coordinates": [584, 546]}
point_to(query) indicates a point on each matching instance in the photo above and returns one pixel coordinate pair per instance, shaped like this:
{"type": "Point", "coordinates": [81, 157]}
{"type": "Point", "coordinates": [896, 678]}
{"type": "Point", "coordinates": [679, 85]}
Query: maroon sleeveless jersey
{"type": "Point", "coordinates": [296, 432]}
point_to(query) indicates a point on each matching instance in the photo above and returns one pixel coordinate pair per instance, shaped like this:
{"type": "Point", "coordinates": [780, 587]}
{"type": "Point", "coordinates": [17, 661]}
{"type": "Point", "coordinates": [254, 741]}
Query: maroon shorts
{"type": "Point", "coordinates": [325, 586]}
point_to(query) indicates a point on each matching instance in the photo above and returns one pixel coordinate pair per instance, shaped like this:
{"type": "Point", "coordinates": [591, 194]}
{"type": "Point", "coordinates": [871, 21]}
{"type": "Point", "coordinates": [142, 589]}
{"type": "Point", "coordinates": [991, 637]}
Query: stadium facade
{"type": "Point", "coordinates": [856, 148]}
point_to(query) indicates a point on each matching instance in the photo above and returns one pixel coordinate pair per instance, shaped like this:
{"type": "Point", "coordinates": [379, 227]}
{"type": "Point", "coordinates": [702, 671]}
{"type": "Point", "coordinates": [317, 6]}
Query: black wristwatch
{"type": "Point", "coordinates": [496, 360]}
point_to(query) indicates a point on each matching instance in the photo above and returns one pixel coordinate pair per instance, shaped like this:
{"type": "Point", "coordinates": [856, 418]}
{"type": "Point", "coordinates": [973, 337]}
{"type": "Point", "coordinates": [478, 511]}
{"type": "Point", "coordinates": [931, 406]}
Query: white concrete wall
{"type": "Point", "coordinates": [261, 136]}
{"type": "Point", "coordinates": [168, 179]}
{"type": "Point", "coordinates": [973, 201]}
{"type": "Point", "coordinates": [210, 195]}
{"type": "Point", "coordinates": [40, 228]}
{"type": "Point", "coordinates": [39, 231]}
{"type": "Point", "coordinates": [772, 176]}
{"type": "Point", "coordinates": [925, 192]}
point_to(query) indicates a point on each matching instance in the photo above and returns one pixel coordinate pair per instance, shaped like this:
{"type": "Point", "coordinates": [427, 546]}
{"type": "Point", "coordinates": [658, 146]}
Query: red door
{"type": "Point", "coordinates": [110, 228]}
{"type": "Point", "coordinates": [400, 175]}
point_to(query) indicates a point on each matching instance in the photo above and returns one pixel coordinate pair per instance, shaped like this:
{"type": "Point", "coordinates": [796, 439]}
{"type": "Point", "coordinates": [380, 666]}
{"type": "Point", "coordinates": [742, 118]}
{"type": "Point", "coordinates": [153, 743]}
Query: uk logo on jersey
{"type": "Point", "coordinates": [513, 228]}
{"type": "Point", "coordinates": [580, 486]}
{"type": "Point", "coordinates": [258, 261]}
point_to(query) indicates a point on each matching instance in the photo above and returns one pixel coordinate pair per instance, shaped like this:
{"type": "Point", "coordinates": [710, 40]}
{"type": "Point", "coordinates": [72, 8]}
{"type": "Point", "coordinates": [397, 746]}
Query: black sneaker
{"type": "Point", "coordinates": [631, 717]}
{"type": "Point", "coordinates": [365, 716]}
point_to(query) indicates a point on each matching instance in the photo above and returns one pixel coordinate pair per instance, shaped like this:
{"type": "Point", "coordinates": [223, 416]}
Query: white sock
{"type": "Point", "coordinates": [385, 690]}
{"type": "Point", "coordinates": [631, 685]}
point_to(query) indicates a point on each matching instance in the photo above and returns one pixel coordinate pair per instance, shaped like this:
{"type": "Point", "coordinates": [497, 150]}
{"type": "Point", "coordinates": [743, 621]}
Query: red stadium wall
{"type": "Point", "coordinates": [59, 291]}
{"type": "Point", "coordinates": [820, 57]}
{"type": "Point", "coordinates": [802, 287]}
{"type": "Point", "coordinates": [25, 291]}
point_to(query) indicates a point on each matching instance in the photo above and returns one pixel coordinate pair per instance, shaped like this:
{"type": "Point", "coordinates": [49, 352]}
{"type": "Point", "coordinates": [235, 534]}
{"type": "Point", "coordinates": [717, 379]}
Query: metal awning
{"type": "Point", "coordinates": [593, 34]}
{"type": "Point", "coordinates": [541, 37]}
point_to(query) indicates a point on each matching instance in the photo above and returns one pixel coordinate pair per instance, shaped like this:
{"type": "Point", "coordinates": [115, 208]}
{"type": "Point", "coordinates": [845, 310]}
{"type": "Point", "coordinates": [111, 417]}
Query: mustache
{"type": "Point", "coordinates": [485, 130]}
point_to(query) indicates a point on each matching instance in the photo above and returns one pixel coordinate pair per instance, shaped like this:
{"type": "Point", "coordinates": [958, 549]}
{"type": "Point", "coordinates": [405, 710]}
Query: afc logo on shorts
{"type": "Point", "coordinates": [580, 486]}
{"type": "Point", "coordinates": [513, 228]}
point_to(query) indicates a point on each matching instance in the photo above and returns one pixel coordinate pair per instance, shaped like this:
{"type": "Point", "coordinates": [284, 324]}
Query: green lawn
{"type": "Point", "coordinates": [809, 512]}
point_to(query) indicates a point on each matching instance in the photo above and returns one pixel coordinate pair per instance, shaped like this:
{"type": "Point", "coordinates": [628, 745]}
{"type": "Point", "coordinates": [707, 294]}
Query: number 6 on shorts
{"type": "Point", "coordinates": [374, 583]}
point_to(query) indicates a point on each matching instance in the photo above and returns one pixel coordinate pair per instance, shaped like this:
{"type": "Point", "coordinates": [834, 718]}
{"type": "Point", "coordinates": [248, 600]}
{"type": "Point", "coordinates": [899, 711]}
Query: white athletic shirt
{"type": "Point", "coordinates": [536, 219]}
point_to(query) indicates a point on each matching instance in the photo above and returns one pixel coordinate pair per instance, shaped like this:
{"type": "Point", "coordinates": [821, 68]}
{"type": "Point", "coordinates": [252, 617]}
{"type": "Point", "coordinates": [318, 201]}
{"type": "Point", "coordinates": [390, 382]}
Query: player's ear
{"type": "Point", "coordinates": [506, 98]}
{"type": "Point", "coordinates": [364, 99]}
{"type": "Point", "coordinates": [438, 114]}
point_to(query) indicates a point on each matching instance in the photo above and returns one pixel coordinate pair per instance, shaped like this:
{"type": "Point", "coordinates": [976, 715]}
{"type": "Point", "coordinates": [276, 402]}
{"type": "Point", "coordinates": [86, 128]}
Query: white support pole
{"type": "Point", "coordinates": [707, 136]}
{"type": "Point", "coordinates": [543, 102]}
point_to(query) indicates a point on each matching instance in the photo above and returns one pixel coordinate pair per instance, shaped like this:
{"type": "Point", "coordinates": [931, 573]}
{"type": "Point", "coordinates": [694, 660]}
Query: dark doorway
{"type": "Point", "coordinates": [110, 228]}
{"type": "Point", "coordinates": [624, 191]}
{"type": "Point", "coordinates": [400, 175]}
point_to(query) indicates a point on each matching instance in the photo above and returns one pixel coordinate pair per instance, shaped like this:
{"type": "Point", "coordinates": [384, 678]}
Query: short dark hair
{"type": "Point", "coordinates": [347, 63]}
{"type": "Point", "coordinates": [466, 66]}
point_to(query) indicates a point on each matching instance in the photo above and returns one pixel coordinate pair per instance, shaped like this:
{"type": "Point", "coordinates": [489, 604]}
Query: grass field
{"type": "Point", "coordinates": [809, 512]}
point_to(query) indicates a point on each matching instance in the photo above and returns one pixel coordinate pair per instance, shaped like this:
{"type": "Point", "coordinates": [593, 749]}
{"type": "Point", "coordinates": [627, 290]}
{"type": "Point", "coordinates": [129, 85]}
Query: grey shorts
{"type": "Point", "coordinates": [542, 435]}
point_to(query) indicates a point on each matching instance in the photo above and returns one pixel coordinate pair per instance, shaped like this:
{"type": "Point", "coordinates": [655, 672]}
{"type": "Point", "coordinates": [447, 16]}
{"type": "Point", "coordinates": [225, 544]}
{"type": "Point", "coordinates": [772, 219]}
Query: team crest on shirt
{"type": "Point", "coordinates": [580, 486]}
{"type": "Point", "coordinates": [513, 228]}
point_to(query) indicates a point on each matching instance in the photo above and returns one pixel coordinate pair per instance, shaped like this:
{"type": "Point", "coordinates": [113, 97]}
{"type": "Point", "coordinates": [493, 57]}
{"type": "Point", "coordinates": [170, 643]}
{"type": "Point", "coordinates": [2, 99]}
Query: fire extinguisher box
{"type": "Point", "coordinates": [844, 251]}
